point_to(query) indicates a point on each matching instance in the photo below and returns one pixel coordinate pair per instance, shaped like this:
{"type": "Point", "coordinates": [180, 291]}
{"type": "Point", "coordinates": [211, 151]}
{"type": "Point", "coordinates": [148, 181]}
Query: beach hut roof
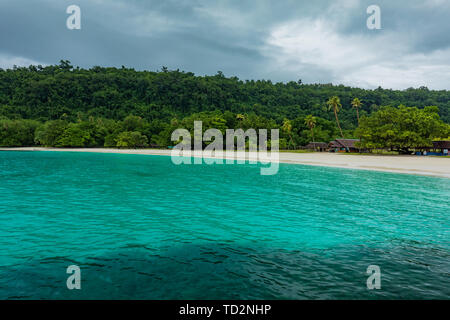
{"type": "Point", "coordinates": [444, 144]}
{"type": "Point", "coordinates": [334, 144]}
{"type": "Point", "coordinates": [317, 145]}
{"type": "Point", "coordinates": [344, 143]}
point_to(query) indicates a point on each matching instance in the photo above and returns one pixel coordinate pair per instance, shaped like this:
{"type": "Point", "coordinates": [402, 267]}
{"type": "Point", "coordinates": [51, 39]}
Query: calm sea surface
{"type": "Point", "coordinates": [140, 227]}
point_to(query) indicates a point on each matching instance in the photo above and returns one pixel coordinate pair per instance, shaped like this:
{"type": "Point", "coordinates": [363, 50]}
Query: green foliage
{"type": "Point", "coordinates": [334, 103]}
{"type": "Point", "coordinates": [49, 133]}
{"type": "Point", "coordinates": [47, 93]}
{"type": "Point", "coordinates": [356, 104]}
{"type": "Point", "coordinates": [286, 128]}
{"type": "Point", "coordinates": [401, 128]}
{"type": "Point", "coordinates": [133, 139]}
{"type": "Point", "coordinates": [87, 133]}
{"type": "Point", "coordinates": [63, 106]}
{"type": "Point", "coordinates": [311, 121]}
{"type": "Point", "coordinates": [76, 135]}
{"type": "Point", "coordinates": [134, 123]}
{"type": "Point", "coordinates": [14, 133]}
{"type": "Point", "coordinates": [324, 131]}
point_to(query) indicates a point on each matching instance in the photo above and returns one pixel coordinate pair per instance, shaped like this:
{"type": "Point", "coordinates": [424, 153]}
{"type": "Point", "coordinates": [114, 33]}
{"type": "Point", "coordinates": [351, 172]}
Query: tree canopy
{"type": "Point", "coordinates": [53, 92]}
{"type": "Point", "coordinates": [64, 106]}
{"type": "Point", "coordinates": [402, 128]}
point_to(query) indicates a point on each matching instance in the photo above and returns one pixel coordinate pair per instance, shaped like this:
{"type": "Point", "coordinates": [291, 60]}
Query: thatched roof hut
{"type": "Point", "coordinates": [317, 146]}
{"type": "Point", "coordinates": [348, 145]}
{"type": "Point", "coordinates": [444, 144]}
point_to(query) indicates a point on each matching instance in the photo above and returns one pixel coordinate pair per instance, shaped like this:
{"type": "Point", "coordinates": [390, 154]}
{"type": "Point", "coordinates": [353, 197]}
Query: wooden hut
{"type": "Point", "coordinates": [320, 146]}
{"type": "Point", "coordinates": [443, 147]}
{"type": "Point", "coordinates": [344, 145]}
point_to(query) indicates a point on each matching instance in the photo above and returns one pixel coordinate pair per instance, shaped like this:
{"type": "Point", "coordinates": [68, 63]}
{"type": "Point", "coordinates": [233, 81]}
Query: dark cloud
{"type": "Point", "coordinates": [276, 40]}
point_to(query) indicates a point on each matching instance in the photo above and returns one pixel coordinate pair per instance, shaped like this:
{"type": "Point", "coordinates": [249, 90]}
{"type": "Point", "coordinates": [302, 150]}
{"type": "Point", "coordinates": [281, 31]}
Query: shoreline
{"type": "Point", "coordinates": [415, 165]}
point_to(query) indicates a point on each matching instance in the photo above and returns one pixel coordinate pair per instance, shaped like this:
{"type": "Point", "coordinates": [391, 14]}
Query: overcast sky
{"type": "Point", "coordinates": [318, 41]}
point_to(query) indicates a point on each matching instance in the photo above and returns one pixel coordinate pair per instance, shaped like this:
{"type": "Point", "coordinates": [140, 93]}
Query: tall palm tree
{"type": "Point", "coordinates": [335, 104]}
{"type": "Point", "coordinates": [356, 104]}
{"type": "Point", "coordinates": [311, 122]}
{"type": "Point", "coordinates": [287, 128]}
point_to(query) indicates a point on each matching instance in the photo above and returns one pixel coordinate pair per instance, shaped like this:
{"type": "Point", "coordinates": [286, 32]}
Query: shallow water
{"type": "Point", "coordinates": [140, 227]}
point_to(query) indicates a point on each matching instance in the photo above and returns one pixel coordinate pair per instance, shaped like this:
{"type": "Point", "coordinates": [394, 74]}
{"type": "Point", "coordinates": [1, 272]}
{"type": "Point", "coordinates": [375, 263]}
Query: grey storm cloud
{"type": "Point", "coordinates": [282, 40]}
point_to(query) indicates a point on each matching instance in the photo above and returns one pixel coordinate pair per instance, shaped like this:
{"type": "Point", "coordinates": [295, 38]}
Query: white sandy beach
{"type": "Point", "coordinates": [429, 166]}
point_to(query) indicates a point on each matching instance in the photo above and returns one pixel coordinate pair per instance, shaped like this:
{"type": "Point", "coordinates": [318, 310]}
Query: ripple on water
{"type": "Point", "coordinates": [140, 227]}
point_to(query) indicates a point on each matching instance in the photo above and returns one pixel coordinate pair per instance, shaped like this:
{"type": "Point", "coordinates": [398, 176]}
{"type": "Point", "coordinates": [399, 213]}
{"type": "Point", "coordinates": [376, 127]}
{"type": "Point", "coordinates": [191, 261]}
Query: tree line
{"type": "Point", "coordinates": [391, 128]}
{"type": "Point", "coordinates": [136, 132]}
{"type": "Point", "coordinates": [63, 106]}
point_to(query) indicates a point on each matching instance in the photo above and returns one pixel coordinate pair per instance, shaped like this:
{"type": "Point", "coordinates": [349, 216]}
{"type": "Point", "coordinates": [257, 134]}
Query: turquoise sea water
{"type": "Point", "coordinates": [140, 227]}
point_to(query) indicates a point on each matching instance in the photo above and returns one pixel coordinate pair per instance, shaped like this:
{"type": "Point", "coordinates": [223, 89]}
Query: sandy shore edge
{"type": "Point", "coordinates": [417, 165]}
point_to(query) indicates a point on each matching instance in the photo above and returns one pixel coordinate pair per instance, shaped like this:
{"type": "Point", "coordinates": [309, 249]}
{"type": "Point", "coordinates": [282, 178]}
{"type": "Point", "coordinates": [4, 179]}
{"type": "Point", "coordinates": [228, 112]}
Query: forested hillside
{"type": "Point", "coordinates": [65, 106]}
{"type": "Point", "coordinates": [52, 92]}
